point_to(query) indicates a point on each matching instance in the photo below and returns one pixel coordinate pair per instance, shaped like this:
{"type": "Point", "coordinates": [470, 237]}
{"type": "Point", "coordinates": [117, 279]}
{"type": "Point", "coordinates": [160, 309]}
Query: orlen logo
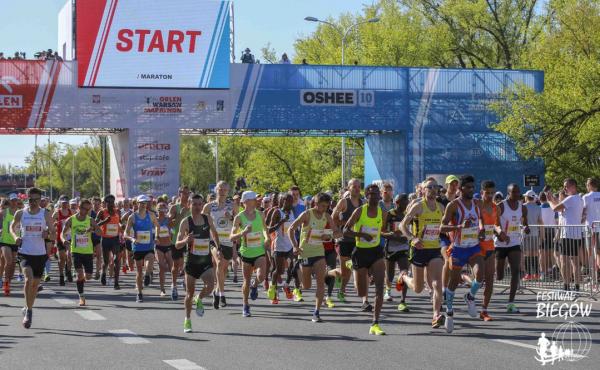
{"type": "Point", "coordinates": [10, 101]}
{"type": "Point", "coordinates": [154, 146]}
{"type": "Point", "coordinates": [173, 41]}
{"type": "Point", "coordinates": [154, 171]}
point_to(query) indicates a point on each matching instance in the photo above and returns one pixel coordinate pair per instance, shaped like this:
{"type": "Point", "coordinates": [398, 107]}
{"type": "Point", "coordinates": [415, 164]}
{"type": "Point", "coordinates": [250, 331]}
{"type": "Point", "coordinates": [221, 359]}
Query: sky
{"type": "Point", "coordinates": [31, 25]}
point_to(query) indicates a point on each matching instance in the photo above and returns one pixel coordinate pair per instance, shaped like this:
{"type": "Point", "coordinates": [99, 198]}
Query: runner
{"type": "Point", "coordinates": [61, 215]}
{"type": "Point", "coordinates": [29, 228]}
{"type": "Point", "coordinates": [249, 227]}
{"type": "Point", "coordinates": [164, 246]}
{"type": "Point", "coordinates": [452, 192]}
{"type": "Point", "coordinates": [81, 246]}
{"type": "Point", "coordinates": [222, 211]}
{"type": "Point", "coordinates": [8, 248]}
{"type": "Point", "coordinates": [96, 239]}
{"type": "Point", "coordinates": [195, 232]}
{"type": "Point", "coordinates": [591, 207]}
{"type": "Point", "coordinates": [366, 225]}
{"type": "Point", "coordinates": [425, 217]}
{"type": "Point", "coordinates": [341, 214]}
{"type": "Point", "coordinates": [463, 222]}
{"type": "Point", "coordinates": [396, 250]}
{"type": "Point", "coordinates": [512, 216]}
{"type": "Point", "coordinates": [109, 220]}
{"type": "Point", "coordinates": [128, 209]}
{"type": "Point", "coordinates": [280, 221]}
{"type": "Point", "coordinates": [177, 213]}
{"type": "Point", "coordinates": [139, 230]}
{"type": "Point", "coordinates": [310, 250]}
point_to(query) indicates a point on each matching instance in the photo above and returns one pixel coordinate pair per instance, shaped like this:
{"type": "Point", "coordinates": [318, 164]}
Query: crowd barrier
{"type": "Point", "coordinates": [551, 254]}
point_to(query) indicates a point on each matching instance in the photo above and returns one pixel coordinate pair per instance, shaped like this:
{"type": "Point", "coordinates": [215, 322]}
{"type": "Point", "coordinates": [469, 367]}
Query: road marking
{"type": "Point", "coordinates": [128, 337]}
{"type": "Point", "coordinates": [90, 315]}
{"type": "Point", "coordinates": [64, 301]}
{"type": "Point", "coordinates": [183, 364]}
{"type": "Point", "coordinates": [515, 343]}
{"type": "Point", "coordinates": [48, 291]}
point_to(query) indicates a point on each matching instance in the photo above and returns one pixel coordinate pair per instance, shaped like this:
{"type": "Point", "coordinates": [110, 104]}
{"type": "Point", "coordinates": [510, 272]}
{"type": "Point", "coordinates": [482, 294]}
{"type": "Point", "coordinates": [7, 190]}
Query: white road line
{"type": "Point", "coordinates": [48, 291]}
{"type": "Point", "coordinates": [128, 337]}
{"type": "Point", "coordinates": [515, 343]}
{"type": "Point", "coordinates": [90, 315]}
{"type": "Point", "coordinates": [183, 364]}
{"type": "Point", "coordinates": [65, 301]}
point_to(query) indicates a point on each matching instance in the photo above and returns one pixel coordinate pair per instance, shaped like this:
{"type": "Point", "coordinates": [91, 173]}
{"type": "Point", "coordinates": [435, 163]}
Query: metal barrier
{"type": "Point", "coordinates": [553, 256]}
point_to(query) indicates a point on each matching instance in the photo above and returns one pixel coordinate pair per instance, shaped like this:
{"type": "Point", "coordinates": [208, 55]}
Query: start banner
{"type": "Point", "coordinates": [162, 44]}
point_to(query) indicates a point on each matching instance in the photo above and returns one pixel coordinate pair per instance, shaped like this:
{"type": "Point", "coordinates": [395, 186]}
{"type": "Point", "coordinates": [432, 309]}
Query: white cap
{"type": "Point", "coordinates": [13, 196]}
{"type": "Point", "coordinates": [143, 198]}
{"type": "Point", "coordinates": [73, 201]}
{"type": "Point", "coordinates": [530, 194]}
{"type": "Point", "coordinates": [248, 195]}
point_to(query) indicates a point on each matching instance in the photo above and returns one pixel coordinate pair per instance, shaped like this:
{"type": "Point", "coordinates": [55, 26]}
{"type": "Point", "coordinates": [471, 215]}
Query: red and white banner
{"type": "Point", "coordinates": [171, 44]}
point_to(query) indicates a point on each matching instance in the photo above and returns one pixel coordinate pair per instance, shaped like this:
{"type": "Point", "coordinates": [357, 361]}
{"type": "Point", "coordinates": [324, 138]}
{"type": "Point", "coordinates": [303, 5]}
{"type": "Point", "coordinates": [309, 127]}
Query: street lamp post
{"type": "Point", "coordinates": [72, 169]}
{"type": "Point", "coordinates": [344, 34]}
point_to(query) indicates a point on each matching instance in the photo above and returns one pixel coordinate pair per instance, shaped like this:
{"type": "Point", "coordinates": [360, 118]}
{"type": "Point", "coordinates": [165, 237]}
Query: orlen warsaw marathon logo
{"type": "Point", "coordinates": [10, 101]}
{"type": "Point", "coordinates": [164, 104]}
{"type": "Point", "coordinates": [571, 341]}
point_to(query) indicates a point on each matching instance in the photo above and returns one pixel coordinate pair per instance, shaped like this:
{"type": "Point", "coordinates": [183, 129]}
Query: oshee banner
{"type": "Point", "coordinates": [168, 44]}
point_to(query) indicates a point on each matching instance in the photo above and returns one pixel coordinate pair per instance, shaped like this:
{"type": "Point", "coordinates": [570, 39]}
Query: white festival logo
{"type": "Point", "coordinates": [6, 80]}
{"type": "Point", "coordinates": [10, 101]}
{"type": "Point", "coordinates": [570, 342]}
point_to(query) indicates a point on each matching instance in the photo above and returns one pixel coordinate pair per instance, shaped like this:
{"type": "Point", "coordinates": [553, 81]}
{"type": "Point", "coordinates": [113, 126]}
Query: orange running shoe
{"type": "Point", "coordinates": [288, 292]}
{"type": "Point", "coordinates": [483, 315]}
{"type": "Point", "coordinates": [275, 301]}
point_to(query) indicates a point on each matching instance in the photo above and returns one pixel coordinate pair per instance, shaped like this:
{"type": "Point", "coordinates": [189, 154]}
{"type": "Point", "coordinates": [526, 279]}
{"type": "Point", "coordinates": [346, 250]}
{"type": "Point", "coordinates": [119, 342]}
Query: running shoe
{"type": "Point", "coordinates": [199, 306]}
{"type": "Point", "coordinates": [27, 319]}
{"type": "Point", "coordinates": [341, 296]}
{"type": "Point", "coordinates": [483, 315]}
{"type": "Point", "coordinates": [97, 275]}
{"type": "Point", "coordinates": [20, 278]}
{"type": "Point", "coordinates": [174, 294]}
{"type": "Point", "coordinates": [512, 308]}
{"type": "Point", "coordinates": [366, 307]}
{"type": "Point", "coordinates": [298, 295]}
{"type": "Point", "coordinates": [275, 301]}
{"type": "Point", "coordinates": [246, 311]}
{"type": "Point", "coordinates": [223, 301]}
{"type": "Point", "coordinates": [438, 321]}
{"type": "Point", "coordinates": [124, 269]}
{"type": "Point", "coordinates": [146, 280]}
{"type": "Point", "coordinates": [61, 280]}
{"type": "Point", "coordinates": [163, 293]}
{"type": "Point", "coordinates": [187, 326]}
{"type": "Point", "coordinates": [117, 286]}
{"type": "Point", "coordinates": [215, 300]}
{"type": "Point", "coordinates": [449, 324]}
{"type": "Point", "coordinates": [81, 301]}
{"type": "Point", "coordinates": [329, 302]}
{"type": "Point", "coordinates": [403, 307]}
{"type": "Point", "coordinates": [47, 278]}
{"type": "Point", "coordinates": [103, 279]}
{"type": "Point", "coordinates": [6, 288]}
{"type": "Point", "coordinates": [235, 279]}
{"type": "Point", "coordinates": [376, 330]}
{"type": "Point", "coordinates": [316, 317]}
{"type": "Point", "coordinates": [387, 296]}
{"type": "Point", "coordinates": [288, 292]}
{"type": "Point", "coordinates": [272, 292]}
{"type": "Point", "coordinates": [139, 298]}
{"type": "Point", "coordinates": [253, 290]}
{"type": "Point", "coordinates": [471, 306]}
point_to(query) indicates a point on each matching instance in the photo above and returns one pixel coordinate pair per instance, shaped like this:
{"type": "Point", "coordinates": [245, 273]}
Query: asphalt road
{"type": "Point", "coordinates": [116, 332]}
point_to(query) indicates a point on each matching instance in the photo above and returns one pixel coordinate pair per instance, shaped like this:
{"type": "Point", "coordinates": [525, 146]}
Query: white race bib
{"type": "Point", "coordinates": [81, 240]}
{"type": "Point", "coordinates": [201, 247]}
{"type": "Point", "coordinates": [431, 232]}
{"type": "Point", "coordinates": [372, 231]}
{"type": "Point", "coordinates": [224, 235]}
{"type": "Point", "coordinates": [316, 237]}
{"type": "Point", "coordinates": [112, 229]}
{"type": "Point", "coordinates": [469, 236]}
{"type": "Point", "coordinates": [489, 232]}
{"type": "Point", "coordinates": [143, 237]}
{"type": "Point", "coordinates": [163, 232]}
{"type": "Point", "coordinates": [254, 240]}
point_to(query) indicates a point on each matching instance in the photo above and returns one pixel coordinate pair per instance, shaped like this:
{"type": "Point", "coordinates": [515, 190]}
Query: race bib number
{"type": "Point", "coordinates": [112, 229]}
{"type": "Point", "coordinates": [254, 240]}
{"type": "Point", "coordinates": [81, 240]}
{"type": "Point", "coordinates": [372, 231]}
{"type": "Point", "coordinates": [163, 232]}
{"type": "Point", "coordinates": [469, 235]}
{"type": "Point", "coordinates": [33, 231]}
{"type": "Point", "coordinates": [223, 235]}
{"type": "Point", "coordinates": [143, 237]}
{"type": "Point", "coordinates": [316, 237]}
{"type": "Point", "coordinates": [431, 232]}
{"type": "Point", "coordinates": [489, 232]}
{"type": "Point", "coordinates": [201, 247]}
{"type": "Point", "coordinates": [513, 230]}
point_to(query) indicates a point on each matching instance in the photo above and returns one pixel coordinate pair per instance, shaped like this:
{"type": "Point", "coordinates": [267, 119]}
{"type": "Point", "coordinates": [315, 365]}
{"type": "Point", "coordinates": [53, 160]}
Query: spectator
{"type": "Point", "coordinates": [304, 61]}
{"type": "Point", "coordinates": [531, 241]}
{"type": "Point", "coordinates": [285, 59]}
{"type": "Point", "coordinates": [549, 221]}
{"type": "Point", "coordinates": [247, 57]}
{"type": "Point", "coordinates": [57, 57]}
{"type": "Point", "coordinates": [2, 56]}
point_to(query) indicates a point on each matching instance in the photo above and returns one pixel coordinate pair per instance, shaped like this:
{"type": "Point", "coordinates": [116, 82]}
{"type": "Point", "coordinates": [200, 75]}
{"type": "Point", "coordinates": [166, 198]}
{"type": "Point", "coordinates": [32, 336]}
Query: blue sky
{"type": "Point", "coordinates": [31, 25]}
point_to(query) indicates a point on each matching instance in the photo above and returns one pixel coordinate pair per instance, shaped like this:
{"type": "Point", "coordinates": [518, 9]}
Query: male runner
{"type": "Point", "coordinates": [195, 232]}
{"type": "Point", "coordinates": [396, 250]}
{"type": "Point", "coordinates": [82, 250]}
{"type": "Point", "coordinates": [222, 211]}
{"type": "Point", "coordinates": [462, 221]}
{"type": "Point", "coordinates": [249, 227]}
{"type": "Point", "coordinates": [61, 215]}
{"type": "Point", "coordinates": [96, 239]}
{"type": "Point", "coordinates": [512, 216]}
{"type": "Point", "coordinates": [425, 252]}
{"type": "Point", "coordinates": [139, 230]}
{"type": "Point", "coordinates": [280, 222]}
{"type": "Point", "coordinates": [366, 226]}
{"type": "Point", "coordinates": [30, 227]}
{"type": "Point", "coordinates": [164, 246]}
{"type": "Point", "coordinates": [591, 209]}
{"type": "Point", "coordinates": [109, 220]}
{"type": "Point", "coordinates": [341, 214]}
{"type": "Point", "coordinates": [178, 212]}
{"type": "Point", "coordinates": [8, 247]}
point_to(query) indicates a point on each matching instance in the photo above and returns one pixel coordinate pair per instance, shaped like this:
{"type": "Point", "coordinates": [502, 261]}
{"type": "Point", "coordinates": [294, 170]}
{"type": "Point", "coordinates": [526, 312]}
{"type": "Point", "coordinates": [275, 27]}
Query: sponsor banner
{"type": "Point", "coordinates": [170, 44]}
{"type": "Point", "coordinates": [119, 164]}
{"type": "Point", "coordinates": [337, 98]}
{"type": "Point", "coordinates": [155, 161]}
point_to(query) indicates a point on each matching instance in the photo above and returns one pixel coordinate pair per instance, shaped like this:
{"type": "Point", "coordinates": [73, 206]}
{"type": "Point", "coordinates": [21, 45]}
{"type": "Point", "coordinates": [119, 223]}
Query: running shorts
{"type": "Point", "coordinates": [251, 260]}
{"type": "Point", "coordinates": [461, 256]}
{"type": "Point", "coordinates": [163, 248]}
{"type": "Point", "coordinates": [83, 261]}
{"type": "Point", "coordinates": [36, 263]}
{"type": "Point", "coordinates": [111, 244]}
{"type": "Point", "coordinates": [196, 270]}
{"type": "Point", "coordinates": [366, 257]}
{"type": "Point", "coordinates": [310, 261]}
{"type": "Point", "coordinates": [502, 253]}
{"type": "Point", "coordinates": [140, 255]}
{"type": "Point", "coordinates": [13, 247]}
{"type": "Point", "coordinates": [346, 248]}
{"type": "Point", "coordinates": [422, 257]}
{"type": "Point", "coordinates": [226, 252]}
